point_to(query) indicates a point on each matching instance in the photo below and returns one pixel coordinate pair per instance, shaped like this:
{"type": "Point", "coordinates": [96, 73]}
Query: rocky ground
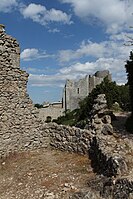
{"type": "Point", "coordinates": [43, 174]}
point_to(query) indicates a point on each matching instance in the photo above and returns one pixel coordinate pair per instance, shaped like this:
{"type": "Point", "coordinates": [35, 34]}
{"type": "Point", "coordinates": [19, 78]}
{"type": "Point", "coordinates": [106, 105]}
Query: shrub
{"type": "Point", "coordinates": [38, 105]}
{"type": "Point", "coordinates": [48, 119]}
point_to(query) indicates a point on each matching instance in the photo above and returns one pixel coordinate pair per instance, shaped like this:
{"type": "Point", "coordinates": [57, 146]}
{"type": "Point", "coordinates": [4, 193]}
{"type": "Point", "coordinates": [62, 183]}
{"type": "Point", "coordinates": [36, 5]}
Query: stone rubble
{"type": "Point", "coordinates": [67, 138]}
{"type": "Point", "coordinates": [100, 121]}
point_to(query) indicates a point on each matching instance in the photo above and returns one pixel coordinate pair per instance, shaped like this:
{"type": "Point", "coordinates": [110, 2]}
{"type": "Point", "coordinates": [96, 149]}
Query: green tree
{"type": "Point", "coordinates": [129, 71]}
{"type": "Point", "coordinates": [110, 89]}
{"type": "Point", "coordinates": [124, 98]}
{"type": "Point", "coordinates": [113, 92]}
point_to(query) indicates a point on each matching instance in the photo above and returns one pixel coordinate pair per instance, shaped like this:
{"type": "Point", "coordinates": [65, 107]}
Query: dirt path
{"type": "Point", "coordinates": [43, 174]}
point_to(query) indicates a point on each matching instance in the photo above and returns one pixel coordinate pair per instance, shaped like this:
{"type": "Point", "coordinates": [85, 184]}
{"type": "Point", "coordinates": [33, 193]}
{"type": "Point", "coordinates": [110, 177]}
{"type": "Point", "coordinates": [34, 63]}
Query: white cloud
{"type": "Point", "coordinates": [114, 65]}
{"type": "Point", "coordinates": [7, 5]}
{"type": "Point", "coordinates": [41, 15]}
{"type": "Point", "coordinates": [112, 48]}
{"type": "Point", "coordinates": [85, 49]}
{"type": "Point", "coordinates": [92, 67]}
{"type": "Point", "coordinates": [55, 30]}
{"type": "Point", "coordinates": [47, 80]}
{"type": "Point", "coordinates": [32, 54]}
{"type": "Point", "coordinates": [109, 55]}
{"type": "Point", "coordinates": [79, 70]}
{"type": "Point", "coordinates": [115, 14]}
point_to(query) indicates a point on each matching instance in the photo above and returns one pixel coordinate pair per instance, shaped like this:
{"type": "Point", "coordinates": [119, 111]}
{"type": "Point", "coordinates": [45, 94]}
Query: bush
{"type": "Point", "coordinates": [38, 105]}
{"type": "Point", "coordinates": [48, 119]}
{"type": "Point", "coordinates": [116, 107]}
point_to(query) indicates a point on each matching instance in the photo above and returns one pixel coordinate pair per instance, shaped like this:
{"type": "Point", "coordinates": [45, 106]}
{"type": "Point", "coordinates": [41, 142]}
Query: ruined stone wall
{"type": "Point", "coordinates": [19, 125]}
{"type": "Point", "coordinates": [75, 91]}
{"type": "Point", "coordinates": [53, 112]}
{"type": "Point", "coordinates": [67, 138]}
{"type": "Point", "coordinates": [93, 82]}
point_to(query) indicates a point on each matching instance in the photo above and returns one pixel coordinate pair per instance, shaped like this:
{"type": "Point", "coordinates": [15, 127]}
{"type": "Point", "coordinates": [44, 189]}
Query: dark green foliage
{"type": "Point", "coordinates": [113, 92]}
{"type": "Point", "coordinates": [124, 98]}
{"type": "Point", "coordinates": [67, 119]}
{"type": "Point", "coordinates": [129, 124]}
{"type": "Point", "coordinates": [129, 71]}
{"type": "Point", "coordinates": [48, 119]}
{"type": "Point", "coordinates": [38, 105]}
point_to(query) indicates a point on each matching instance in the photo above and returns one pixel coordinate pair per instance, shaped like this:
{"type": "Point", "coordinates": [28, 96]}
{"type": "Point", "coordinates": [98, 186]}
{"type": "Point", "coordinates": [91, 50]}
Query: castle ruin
{"type": "Point", "coordinates": [75, 91]}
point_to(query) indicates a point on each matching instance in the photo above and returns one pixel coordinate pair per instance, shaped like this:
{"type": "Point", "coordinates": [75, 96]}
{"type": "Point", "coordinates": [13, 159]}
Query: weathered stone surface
{"type": "Point", "coordinates": [100, 121]}
{"type": "Point", "coordinates": [120, 188]}
{"type": "Point", "coordinates": [19, 127]}
{"type": "Point", "coordinates": [75, 91]}
{"type": "Point", "coordinates": [107, 129]}
{"type": "Point", "coordinates": [68, 138]}
{"type": "Point", "coordinates": [85, 195]}
{"type": "Point", "coordinates": [105, 158]}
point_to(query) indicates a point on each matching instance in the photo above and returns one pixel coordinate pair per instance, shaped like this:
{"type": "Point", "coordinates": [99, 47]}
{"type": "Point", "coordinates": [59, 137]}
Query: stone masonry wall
{"type": "Point", "coordinates": [75, 91]}
{"type": "Point", "coordinates": [54, 113]}
{"type": "Point", "coordinates": [67, 138]}
{"type": "Point", "coordinates": [20, 128]}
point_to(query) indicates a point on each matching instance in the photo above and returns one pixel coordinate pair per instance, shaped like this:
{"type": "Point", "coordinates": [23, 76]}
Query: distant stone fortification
{"type": "Point", "coordinates": [53, 110]}
{"type": "Point", "coordinates": [74, 92]}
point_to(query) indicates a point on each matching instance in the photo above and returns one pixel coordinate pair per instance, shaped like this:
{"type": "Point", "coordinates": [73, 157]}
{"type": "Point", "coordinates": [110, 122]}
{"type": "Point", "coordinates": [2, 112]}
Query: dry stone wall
{"type": "Point", "coordinates": [67, 138]}
{"type": "Point", "coordinates": [107, 157]}
{"type": "Point", "coordinates": [20, 128]}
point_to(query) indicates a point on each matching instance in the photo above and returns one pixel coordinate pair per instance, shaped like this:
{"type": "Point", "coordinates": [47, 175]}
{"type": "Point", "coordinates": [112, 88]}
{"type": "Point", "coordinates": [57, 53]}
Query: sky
{"type": "Point", "coordinates": [68, 39]}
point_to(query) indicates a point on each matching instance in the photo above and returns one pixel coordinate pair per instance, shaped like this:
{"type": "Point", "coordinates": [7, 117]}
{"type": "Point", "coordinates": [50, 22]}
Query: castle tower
{"type": "Point", "coordinates": [75, 91]}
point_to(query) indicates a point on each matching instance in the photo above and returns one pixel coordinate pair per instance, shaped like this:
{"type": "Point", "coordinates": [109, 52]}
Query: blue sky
{"type": "Point", "coordinates": [67, 39]}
